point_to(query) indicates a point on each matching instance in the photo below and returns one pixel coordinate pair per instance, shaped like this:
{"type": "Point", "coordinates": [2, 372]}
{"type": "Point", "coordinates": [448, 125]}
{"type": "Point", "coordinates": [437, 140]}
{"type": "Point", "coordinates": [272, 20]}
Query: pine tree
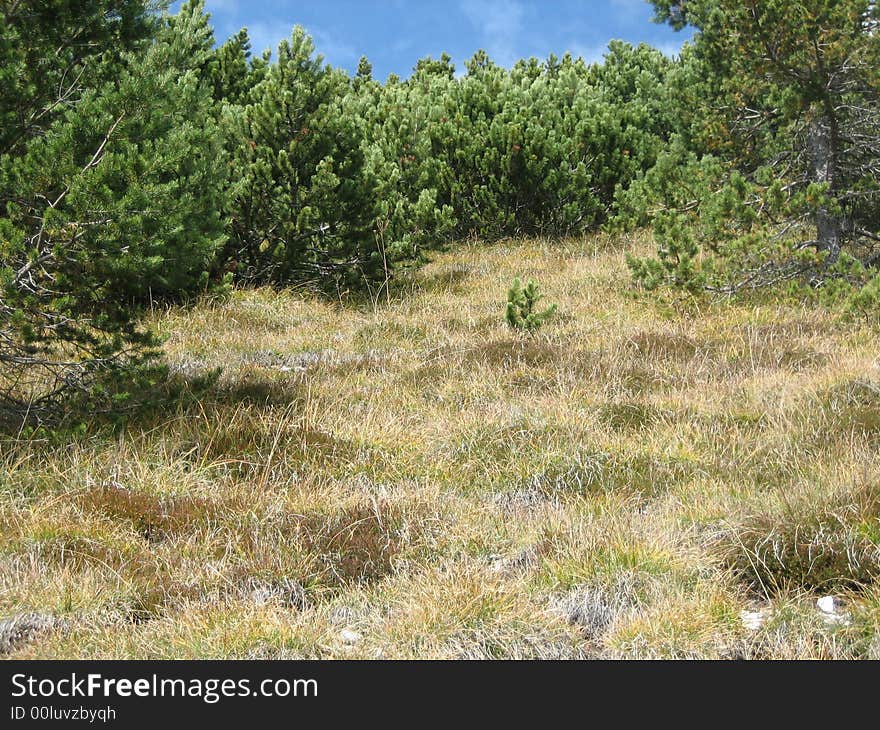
{"type": "Point", "coordinates": [795, 115]}
{"type": "Point", "coordinates": [364, 69]}
{"type": "Point", "coordinates": [113, 204]}
{"type": "Point", "coordinates": [304, 208]}
{"type": "Point", "coordinates": [522, 302]}
{"type": "Point", "coordinates": [230, 70]}
{"type": "Point", "coordinates": [51, 50]}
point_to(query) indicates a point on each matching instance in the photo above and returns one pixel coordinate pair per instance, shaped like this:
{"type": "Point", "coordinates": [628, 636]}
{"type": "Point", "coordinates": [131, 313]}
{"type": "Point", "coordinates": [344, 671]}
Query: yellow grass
{"type": "Point", "coordinates": [412, 479]}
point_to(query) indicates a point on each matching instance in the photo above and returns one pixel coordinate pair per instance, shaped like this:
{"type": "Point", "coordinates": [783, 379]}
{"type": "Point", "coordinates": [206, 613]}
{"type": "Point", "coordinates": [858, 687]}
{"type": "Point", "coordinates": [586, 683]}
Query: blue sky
{"type": "Point", "coordinates": [394, 34]}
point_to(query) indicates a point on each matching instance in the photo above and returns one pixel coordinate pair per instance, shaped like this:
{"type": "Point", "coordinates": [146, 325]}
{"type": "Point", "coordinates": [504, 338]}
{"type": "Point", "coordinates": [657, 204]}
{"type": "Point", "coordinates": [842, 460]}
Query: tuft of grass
{"type": "Point", "coordinates": [594, 607]}
{"type": "Point", "coordinates": [151, 517]}
{"type": "Point", "coordinates": [514, 352]}
{"type": "Point", "coordinates": [662, 345]}
{"type": "Point", "coordinates": [22, 629]}
{"type": "Point", "coordinates": [809, 541]}
{"type": "Point", "coordinates": [629, 416]}
{"type": "Point", "coordinates": [854, 407]}
{"type": "Point", "coordinates": [356, 544]}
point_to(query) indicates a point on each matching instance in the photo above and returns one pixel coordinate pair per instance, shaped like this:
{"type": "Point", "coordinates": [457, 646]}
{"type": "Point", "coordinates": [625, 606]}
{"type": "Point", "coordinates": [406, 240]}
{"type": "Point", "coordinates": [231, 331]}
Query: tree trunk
{"type": "Point", "coordinates": [823, 142]}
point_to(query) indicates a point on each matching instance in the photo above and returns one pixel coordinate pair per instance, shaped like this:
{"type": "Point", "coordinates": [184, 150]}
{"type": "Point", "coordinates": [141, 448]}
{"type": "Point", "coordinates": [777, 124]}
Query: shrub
{"type": "Point", "coordinates": [305, 204]}
{"type": "Point", "coordinates": [111, 205]}
{"type": "Point", "coordinates": [522, 301]}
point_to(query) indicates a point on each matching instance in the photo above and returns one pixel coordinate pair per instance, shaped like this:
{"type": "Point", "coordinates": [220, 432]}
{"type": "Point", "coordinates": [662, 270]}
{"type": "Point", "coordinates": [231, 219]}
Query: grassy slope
{"type": "Point", "coordinates": [419, 481]}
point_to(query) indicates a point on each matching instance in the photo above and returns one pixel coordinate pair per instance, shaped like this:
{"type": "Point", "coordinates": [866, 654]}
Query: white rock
{"type": "Point", "coordinates": [753, 620]}
{"type": "Point", "coordinates": [350, 637]}
{"type": "Point", "coordinates": [830, 609]}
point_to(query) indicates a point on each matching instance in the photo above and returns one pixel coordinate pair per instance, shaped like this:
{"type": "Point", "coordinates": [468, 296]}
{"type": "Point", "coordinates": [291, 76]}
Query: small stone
{"type": "Point", "coordinates": [831, 611]}
{"type": "Point", "coordinates": [753, 620]}
{"type": "Point", "coordinates": [19, 630]}
{"type": "Point", "coordinates": [350, 637]}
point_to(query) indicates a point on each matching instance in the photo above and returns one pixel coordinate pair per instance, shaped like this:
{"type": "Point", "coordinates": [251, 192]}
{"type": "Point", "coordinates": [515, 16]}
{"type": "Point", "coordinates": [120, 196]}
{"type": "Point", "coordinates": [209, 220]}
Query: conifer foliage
{"type": "Point", "coordinates": [111, 185]}
{"type": "Point", "coordinates": [790, 120]}
{"type": "Point", "coordinates": [304, 208]}
{"type": "Point", "coordinates": [522, 306]}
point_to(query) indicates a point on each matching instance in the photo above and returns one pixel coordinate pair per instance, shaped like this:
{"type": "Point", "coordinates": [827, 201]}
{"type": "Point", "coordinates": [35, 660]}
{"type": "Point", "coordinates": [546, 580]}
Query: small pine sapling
{"type": "Point", "coordinates": [678, 257]}
{"type": "Point", "coordinates": [866, 301]}
{"type": "Point", "coordinates": [522, 304]}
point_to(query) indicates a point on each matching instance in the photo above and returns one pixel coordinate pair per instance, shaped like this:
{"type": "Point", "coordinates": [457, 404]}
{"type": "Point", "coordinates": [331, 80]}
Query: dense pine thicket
{"type": "Point", "coordinates": [342, 178]}
{"type": "Point", "coordinates": [140, 162]}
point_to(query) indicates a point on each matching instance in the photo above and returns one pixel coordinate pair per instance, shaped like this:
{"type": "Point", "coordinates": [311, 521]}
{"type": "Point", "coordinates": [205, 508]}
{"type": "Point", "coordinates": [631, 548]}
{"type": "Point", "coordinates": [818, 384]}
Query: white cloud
{"type": "Point", "coordinates": [267, 35]}
{"type": "Point", "coordinates": [335, 51]}
{"type": "Point", "coordinates": [590, 54]}
{"type": "Point", "coordinates": [670, 48]}
{"type": "Point", "coordinates": [500, 23]}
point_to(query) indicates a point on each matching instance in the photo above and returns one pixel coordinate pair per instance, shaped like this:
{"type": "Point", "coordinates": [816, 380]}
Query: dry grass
{"type": "Point", "coordinates": [414, 480]}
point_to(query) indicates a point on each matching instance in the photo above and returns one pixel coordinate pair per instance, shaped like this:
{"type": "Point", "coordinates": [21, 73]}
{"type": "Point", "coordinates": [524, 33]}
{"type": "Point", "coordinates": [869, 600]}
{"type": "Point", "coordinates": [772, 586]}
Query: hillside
{"type": "Point", "coordinates": [411, 479]}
